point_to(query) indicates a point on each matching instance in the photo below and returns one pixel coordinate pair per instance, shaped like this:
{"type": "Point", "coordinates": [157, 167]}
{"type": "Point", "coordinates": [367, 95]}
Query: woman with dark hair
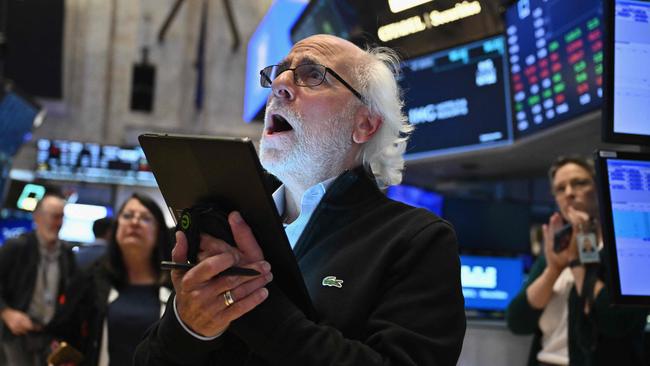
{"type": "Point", "coordinates": [109, 307]}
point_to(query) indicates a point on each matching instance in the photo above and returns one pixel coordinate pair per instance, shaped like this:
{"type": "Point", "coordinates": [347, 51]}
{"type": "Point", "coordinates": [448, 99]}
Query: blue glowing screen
{"type": "Point", "coordinates": [270, 42]}
{"type": "Point", "coordinates": [490, 283]}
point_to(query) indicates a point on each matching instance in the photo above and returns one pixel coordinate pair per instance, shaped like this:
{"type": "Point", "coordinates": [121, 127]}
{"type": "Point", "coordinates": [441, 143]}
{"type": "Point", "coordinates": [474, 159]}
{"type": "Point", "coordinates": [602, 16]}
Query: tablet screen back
{"type": "Point", "coordinates": [189, 169]}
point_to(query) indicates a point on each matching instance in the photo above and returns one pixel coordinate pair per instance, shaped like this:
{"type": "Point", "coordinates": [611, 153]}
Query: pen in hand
{"type": "Point", "coordinates": [231, 271]}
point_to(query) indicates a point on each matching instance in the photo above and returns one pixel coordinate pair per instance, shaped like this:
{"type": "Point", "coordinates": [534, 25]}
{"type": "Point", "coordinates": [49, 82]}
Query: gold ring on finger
{"type": "Point", "coordinates": [228, 299]}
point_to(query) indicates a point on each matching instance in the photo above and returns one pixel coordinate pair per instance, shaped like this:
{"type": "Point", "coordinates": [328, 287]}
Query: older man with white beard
{"type": "Point", "coordinates": [384, 277]}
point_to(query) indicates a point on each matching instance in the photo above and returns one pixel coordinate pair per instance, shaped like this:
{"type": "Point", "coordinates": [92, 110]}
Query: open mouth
{"type": "Point", "coordinates": [278, 124]}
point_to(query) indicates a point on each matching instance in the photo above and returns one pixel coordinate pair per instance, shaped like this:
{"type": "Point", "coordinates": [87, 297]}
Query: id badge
{"type": "Point", "coordinates": [588, 248]}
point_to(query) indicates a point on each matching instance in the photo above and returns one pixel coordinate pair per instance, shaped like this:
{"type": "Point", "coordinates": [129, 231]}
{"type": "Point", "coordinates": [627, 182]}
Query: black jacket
{"type": "Point", "coordinates": [80, 321]}
{"type": "Point", "coordinates": [400, 300]}
{"type": "Point", "coordinates": [19, 260]}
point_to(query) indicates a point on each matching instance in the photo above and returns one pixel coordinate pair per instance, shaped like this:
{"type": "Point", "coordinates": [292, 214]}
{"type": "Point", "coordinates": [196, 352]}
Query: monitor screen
{"type": "Point", "coordinates": [336, 17]}
{"type": "Point", "coordinates": [412, 28]}
{"type": "Point", "coordinates": [78, 221]}
{"type": "Point", "coordinates": [489, 227]}
{"type": "Point", "coordinates": [555, 49]}
{"type": "Point", "coordinates": [457, 99]}
{"type": "Point", "coordinates": [17, 117]}
{"type": "Point", "coordinates": [416, 197]}
{"type": "Point", "coordinates": [92, 162]}
{"type": "Point", "coordinates": [490, 283]}
{"type": "Point", "coordinates": [267, 46]}
{"type": "Point", "coordinates": [624, 186]}
{"type": "Point", "coordinates": [13, 227]}
{"type": "Point", "coordinates": [627, 112]}
{"type": "Point", "coordinates": [22, 195]}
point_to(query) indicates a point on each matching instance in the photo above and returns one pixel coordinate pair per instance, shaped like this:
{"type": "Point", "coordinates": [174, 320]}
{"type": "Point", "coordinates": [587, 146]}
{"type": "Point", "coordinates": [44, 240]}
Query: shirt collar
{"type": "Point", "coordinates": [313, 193]}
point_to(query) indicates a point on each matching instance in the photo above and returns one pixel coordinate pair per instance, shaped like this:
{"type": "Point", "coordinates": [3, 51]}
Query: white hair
{"type": "Point", "coordinates": [377, 78]}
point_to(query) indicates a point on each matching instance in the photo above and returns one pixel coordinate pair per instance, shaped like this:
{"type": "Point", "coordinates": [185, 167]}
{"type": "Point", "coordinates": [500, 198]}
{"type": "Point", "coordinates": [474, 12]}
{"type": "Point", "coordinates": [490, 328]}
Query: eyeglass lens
{"type": "Point", "coordinates": [303, 75]}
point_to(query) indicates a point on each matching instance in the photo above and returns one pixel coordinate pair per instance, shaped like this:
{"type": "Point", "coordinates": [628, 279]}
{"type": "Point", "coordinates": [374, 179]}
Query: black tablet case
{"type": "Point", "coordinates": [226, 170]}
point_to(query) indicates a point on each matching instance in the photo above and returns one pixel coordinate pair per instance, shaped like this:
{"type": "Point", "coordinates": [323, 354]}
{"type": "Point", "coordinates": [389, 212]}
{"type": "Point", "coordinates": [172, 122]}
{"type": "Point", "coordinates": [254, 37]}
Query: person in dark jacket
{"type": "Point", "coordinates": [34, 270]}
{"type": "Point", "coordinates": [570, 315]}
{"type": "Point", "coordinates": [87, 254]}
{"type": "Point", "coordinates": [109, 307]}
{"type": "Point", "coordinates": [384, 277]}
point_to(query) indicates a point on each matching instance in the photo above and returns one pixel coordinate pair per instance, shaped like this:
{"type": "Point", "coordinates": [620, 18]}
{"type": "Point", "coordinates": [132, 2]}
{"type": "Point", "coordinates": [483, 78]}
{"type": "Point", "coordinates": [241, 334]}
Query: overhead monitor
{"type": "Point", "coordinates": [267, 46]}
{"type": "Point", "coordinates": [457, 99]}
{"type": "Point", "coordinates": [416, 197]}
{"type": "Point", "coordinates": [336, 17]}
{"type": "Point", "coordinates": [490, 283]}
{"type": "Point", "coordinates": [627, 82]}
{"type": "Point", "coordinates": [555, 49]}
{"type": "Point", "coordinates": [413, 28]}
{"type": "Point", "coordinates": [92, 162]}
{"type": "Point", "coordinates": [624, 188]}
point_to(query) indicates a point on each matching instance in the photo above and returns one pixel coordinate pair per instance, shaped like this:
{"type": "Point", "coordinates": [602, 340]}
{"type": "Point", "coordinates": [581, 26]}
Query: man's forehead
{"type": "Point", "coordinates": [323, 49]}
{"type": "Point", "coordinates": [300, 60]}
{"type": "Point", "coordinates": [53, 202]}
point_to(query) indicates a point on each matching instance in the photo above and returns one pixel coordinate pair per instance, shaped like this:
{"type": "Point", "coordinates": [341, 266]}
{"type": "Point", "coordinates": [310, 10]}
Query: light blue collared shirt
{"type": "Point", "coordinates": [310, 199]}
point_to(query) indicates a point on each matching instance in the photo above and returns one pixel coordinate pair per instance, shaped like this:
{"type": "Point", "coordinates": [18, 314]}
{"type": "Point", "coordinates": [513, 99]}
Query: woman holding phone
{"type": "Point", "coordinates": [565, 302]}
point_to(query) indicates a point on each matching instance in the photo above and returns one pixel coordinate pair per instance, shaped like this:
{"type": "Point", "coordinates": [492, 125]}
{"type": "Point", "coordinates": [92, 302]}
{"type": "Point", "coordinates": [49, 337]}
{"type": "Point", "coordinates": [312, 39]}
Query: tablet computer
{"type": "Point", "coordinates": [189, 169]}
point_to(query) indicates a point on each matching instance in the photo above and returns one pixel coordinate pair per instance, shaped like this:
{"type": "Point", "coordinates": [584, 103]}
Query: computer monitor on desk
{"type": "Point", "coordinates": [624, 188]}
{"type": "Point", "coordinates": [490, 283]}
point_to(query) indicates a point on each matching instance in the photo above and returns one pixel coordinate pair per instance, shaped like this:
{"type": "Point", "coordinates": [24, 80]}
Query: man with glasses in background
{"type": "Point", "coordinates": [34, 270]}
{"type": "Point", "coordinates": [384, 277]}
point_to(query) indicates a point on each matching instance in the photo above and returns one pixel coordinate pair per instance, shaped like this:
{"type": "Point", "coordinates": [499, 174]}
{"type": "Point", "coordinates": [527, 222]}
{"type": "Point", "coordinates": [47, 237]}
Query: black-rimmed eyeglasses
{"type": "Point", "coordinates": [304, 75]}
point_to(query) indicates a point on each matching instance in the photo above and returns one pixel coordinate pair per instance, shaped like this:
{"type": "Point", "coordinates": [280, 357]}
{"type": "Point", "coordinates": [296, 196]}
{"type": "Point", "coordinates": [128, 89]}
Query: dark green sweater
{"type": "Point", "coordinates": [607, 336]}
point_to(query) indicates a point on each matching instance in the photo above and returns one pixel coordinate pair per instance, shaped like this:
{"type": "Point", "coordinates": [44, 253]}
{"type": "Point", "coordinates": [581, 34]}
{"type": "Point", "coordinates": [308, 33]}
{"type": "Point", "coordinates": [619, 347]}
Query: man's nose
{"type": "Point", "coordinates": [283, 86]}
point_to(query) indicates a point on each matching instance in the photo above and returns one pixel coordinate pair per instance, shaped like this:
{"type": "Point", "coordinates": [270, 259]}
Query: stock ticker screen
{"type": "Point", "coordinates": [92, 162]}
{"type": "Point", "coordinates": [457, 99]}
{"type": "Point", "coordinates": [555, 49]}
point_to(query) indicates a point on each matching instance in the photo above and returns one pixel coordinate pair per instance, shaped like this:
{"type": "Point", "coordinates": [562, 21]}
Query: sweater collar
{"type": "Point", "coordinates": [352, 187]}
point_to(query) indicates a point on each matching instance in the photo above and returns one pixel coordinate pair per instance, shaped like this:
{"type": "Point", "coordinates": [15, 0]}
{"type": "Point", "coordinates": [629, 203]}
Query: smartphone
{"type": "Point", "coordinates": [65, 354]}
{"type": "Point", "coordinates": [562, 238]}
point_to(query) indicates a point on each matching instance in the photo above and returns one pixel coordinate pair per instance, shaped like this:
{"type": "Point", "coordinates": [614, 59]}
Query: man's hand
{"type": "Point", "coordinates": [18, 322]}
{"type": "Point", "coordinates": [578, 219]}
{"type": "Point", "coordinates": [200, 296]}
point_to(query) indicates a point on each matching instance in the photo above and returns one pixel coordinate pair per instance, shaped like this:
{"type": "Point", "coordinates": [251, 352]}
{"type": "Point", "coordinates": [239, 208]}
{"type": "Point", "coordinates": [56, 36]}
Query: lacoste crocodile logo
{"type": "Point", "coordinates": [332, 282]}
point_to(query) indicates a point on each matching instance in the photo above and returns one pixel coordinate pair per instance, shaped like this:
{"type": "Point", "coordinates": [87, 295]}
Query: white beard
{"type": "Point", "coordinates": [317, 150]}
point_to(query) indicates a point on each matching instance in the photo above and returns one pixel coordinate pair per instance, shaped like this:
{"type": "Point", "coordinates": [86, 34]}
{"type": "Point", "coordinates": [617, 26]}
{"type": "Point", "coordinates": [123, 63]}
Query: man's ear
{"type": "Point", "coordinates": [365, 125]}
